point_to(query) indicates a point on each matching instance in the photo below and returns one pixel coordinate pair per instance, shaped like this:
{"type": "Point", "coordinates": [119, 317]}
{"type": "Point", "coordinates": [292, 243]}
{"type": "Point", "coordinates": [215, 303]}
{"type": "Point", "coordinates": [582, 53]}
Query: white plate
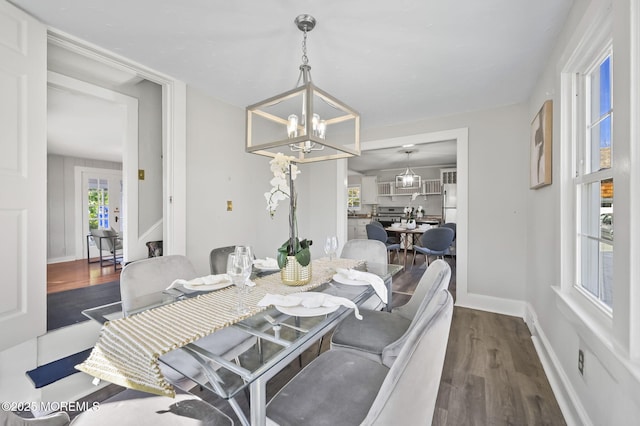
{"type": "Point", "coordinates": [207, 287]}
{"type": "Point", "coordinates": [301, 311]}
{"type": "Point", "coordinates": [339, 278]}
{"type": "Point", "coordinates": [264, 268]}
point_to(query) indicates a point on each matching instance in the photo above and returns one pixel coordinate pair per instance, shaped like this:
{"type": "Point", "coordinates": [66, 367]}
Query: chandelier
{"type": "Point", "coordinates": [306, 120]}
{"type": "Point", "coordinates": [408, 179]}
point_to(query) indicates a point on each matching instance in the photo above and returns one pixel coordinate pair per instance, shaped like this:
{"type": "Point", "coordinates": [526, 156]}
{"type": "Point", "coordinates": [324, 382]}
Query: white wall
{"type": "Point", "coordinates": [609, 391]}
{"type": "Point", "coordinates": [497, 194]}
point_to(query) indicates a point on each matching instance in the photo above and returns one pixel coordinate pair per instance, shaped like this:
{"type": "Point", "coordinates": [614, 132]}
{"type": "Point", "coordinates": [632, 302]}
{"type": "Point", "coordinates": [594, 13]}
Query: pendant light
{"type": "Point", "coordinates": [306, 120]}
{"type": "Point", "coordinates": [409, 179]}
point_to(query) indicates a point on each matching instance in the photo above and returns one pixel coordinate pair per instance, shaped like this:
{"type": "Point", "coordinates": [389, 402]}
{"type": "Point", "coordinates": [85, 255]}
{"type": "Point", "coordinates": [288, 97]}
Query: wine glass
{"type": "Point", "coordinates": [331, 246]}
{"type": "Point", "coordinates": [239, 269]}
{"type": "Point", "coordinates": [248, 251]}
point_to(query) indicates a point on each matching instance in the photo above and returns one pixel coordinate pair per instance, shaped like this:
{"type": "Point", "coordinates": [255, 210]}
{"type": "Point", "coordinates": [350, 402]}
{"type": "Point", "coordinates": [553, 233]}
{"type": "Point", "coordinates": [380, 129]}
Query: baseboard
{"type": "Point", "coordinates": [491, 304]}
{"type": "Point", "coordinates": [570, 405]}
{"type": "Point", "coordinates": [61, 259]}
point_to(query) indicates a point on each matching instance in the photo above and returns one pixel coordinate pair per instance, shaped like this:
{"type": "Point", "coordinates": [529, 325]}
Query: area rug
{"type": "Point", "coordinates": [65, 308]}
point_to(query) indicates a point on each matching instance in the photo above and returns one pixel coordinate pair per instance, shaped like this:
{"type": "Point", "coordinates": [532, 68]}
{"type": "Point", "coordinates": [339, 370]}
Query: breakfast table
{"type": "Point", "coordinates": [407, 236]}
{"type": "Point", "coordinates": [128, 348]}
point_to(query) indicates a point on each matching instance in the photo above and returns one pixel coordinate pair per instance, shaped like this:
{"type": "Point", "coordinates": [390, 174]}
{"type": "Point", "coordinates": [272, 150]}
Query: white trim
{"type": "Point", "coordinates": [174, 107]}
{"type": "Point", "coordinates": [634, 182]}
{"type": "Point", "coordinates": [61, 260]}
{"type": "Point", "coordinates": [496, 305]}
{"type": "Point", "coordinates": [342, 182]}
{"type": "Point", "coordinates": [573, 411]}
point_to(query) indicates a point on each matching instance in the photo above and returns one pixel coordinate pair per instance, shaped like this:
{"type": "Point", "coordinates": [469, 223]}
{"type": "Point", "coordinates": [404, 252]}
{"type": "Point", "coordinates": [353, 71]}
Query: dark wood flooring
{"type": "Point", "coordinates": [491, 374]}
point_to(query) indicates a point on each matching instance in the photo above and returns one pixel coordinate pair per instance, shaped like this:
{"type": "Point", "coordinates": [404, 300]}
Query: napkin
{"type": "Point", "coordinates": [314, 300]}
{"type": "Point", "coordinates": [268, 263]}
{"type": "Point", "coordinates": [375, 281]}
{"type": "Point", "coordinates": [206, 280]}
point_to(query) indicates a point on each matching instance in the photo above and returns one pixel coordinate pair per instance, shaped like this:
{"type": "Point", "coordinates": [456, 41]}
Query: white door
{"type": "Point", "coordinates": [23, 176]}
{"type": "Point", "coordinates": [101, 204]}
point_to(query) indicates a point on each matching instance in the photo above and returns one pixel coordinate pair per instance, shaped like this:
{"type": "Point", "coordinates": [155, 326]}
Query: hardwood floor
{"type": "Point", "coordinates": [491, 375]}
{"type": "Point", "coordinates": [78, 273]}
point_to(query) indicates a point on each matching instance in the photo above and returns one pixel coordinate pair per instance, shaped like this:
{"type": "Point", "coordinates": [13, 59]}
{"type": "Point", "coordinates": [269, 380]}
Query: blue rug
{"type": "Point", "coordinates": [65, 308]}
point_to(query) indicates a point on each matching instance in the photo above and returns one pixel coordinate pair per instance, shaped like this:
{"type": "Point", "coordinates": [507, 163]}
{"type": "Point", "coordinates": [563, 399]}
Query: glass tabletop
{"type": "Point", "coordinates": [280, 336]}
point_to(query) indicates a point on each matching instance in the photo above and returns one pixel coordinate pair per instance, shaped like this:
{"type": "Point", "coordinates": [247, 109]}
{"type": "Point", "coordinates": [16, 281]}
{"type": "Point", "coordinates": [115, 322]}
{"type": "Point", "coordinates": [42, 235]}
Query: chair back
{"type": "Point", "coordinates": [150, 276]}
{"type": "Point", "coordinates": [218, 259]}
{"type": "Point", "coordinates": [451, 225]}
{"type": "Point", "coordinates": [375, 232]}
{"type": "Point", "coordinates": [437, 239]}
{"type": "Point", "coordinates": [8, 418]}
{"type": "Point", "coordinates": [415, 375]}
{"type": "Point", "coordinates": [378, 224]}
{"type": "Point", "coordinates": [435, 278]}
{"type": "Point", "coordinates": [105, 239]}
{"type": "Point", "coordinates": [368, 250]}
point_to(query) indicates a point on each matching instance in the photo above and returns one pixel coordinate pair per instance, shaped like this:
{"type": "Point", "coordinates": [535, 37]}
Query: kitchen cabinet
{"type": "Point", "coordinates": [357, 228]}
{"type": "Point", "coordinates": [429, 187]}
{"type": "Point", "coordinates": [369, 190]}
{"type": "Point", "coordinates": [448, 176]}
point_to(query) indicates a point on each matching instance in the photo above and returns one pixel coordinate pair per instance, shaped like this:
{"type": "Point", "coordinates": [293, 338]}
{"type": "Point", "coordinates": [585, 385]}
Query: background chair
{"type": "Point", "coordinates": [375, 232]}
{"type": "Point", "coordinates": [108, 240]}
{"type": "Point", "coordinates": [390, 240]}
{"type": "Point", "coordinates": [435, 242]}
{"type": "Point", "coordinates": [385, 333]}
{"type": "Point", "coordinates": [133, 408]}
{"type": "Point", "coordinates": [141, 284]}
{"type": "Point", "coordinates": [7, 418]}
{"type": "Point", "coordinates": [451, 225]}
{"type": "Point", "coordinates": [373, 251]}
{"type": "Point", "coordinates": [341, 387]}
{"type": "Point", "coordinates": [218, 259]}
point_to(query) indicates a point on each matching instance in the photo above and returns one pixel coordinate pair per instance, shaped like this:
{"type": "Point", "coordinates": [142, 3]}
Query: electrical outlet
{"type": "Point", "coordinates": [581, 362]}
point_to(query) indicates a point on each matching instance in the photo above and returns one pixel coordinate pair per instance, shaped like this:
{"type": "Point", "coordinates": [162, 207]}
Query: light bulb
{"type": "Point", "coordinates": [292, 126]}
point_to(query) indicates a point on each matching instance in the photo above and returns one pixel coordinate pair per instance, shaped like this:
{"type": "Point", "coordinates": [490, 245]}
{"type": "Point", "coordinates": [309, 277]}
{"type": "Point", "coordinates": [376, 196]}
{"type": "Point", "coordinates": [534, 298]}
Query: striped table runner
{"type": "Point", "coordinates": [128, 349]}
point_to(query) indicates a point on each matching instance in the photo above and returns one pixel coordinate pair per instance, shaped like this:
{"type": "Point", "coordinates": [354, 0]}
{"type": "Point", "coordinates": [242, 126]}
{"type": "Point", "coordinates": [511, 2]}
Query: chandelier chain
{"type": "Point", "coordinates": [305, 59]}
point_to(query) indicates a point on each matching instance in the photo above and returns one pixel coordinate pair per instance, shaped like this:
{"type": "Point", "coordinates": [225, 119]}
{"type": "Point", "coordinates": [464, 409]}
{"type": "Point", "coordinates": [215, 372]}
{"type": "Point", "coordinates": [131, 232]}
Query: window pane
{"type": "Point", "coordinates": [600, 117]}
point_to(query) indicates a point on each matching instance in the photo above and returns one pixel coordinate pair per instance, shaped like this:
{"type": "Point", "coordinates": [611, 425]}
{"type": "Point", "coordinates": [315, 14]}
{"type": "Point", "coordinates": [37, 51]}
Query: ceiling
{"type": "Point", "coordinates": [415, 60]}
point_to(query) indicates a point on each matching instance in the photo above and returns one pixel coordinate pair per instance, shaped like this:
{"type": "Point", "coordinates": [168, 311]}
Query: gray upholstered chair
{"type": "Point", "coordinates": [381, 334]}
{"type": "Point", "coordinates": [370, 251]}
{"type": "Point", "coordinates": [109, 241]}
{"type": "Point", "coordinates": [375, 232]}
{"type": "Point", "coordinates": [134, 408]}
{"type": "Point", "coordinates": [218, 259]}
{"type": "Point", "coordinates": [341, 387]}
{"type": "Point", "coordinates": [452, 225]}
{"type": "Point", "coordinates": [140, 284]}
{"type": "Point", "coordinates": [435, 242]}
{"type": "Point", "coordinates": [390, 240]}
{"type": "Point", "coordinates": [7, 418]}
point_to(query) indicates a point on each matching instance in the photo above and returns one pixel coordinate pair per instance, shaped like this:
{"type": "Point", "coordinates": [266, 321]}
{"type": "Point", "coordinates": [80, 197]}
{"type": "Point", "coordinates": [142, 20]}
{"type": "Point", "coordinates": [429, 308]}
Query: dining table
{"type": "Point", "coordinates": [283, 333]}
{"type": "Point", "coordinates": [407, 237]}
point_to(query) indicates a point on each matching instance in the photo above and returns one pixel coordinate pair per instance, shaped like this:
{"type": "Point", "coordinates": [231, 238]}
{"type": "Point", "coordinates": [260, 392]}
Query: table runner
{"type": "Point", "coordinates": [128, 349]}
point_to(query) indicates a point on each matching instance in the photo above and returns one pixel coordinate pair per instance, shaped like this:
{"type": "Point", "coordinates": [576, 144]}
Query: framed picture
{"type": "Point", "coordinates": [541, 146]}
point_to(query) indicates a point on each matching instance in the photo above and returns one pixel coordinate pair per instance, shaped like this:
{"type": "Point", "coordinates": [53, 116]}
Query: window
{"type": "Point", "coordinates": [594, 186]}
{"type": "Point", "coordinates": [353, 197]}
{"type": "Point", "coordinates": [98, 203]}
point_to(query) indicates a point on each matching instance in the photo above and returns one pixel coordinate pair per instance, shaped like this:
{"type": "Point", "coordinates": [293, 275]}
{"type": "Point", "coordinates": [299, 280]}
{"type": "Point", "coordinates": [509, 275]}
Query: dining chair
{"type": "Point", "coordinates": [390, 240]}
{"type": "Point", "coordinates": [341, 387]}
{"type": "Point", "coordinates": [8, 418]}
{"type": "Point", "coordinates": [375, 232]}
{"type": "Point", "coordinates": [435, 242]}
{"type": "Point", "coordinates": [373, 251]}
{"type": "Point", "coordinates": [108, 240]}
{"type": "Point", "coordinates": [134, 408]}
{"type": "Point", "coordinates": [381, 333]}
{"type": "Point", "coordinates": [218, 259]}
{"type": "Point", "coordinates": [453, 226]}
{"type": "Point", "coordinates": [145, 278]}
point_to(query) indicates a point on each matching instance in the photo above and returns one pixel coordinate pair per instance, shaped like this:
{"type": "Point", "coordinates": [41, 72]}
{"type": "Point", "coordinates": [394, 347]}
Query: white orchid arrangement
{"type": "Point", "coordinates": [284, 173]}
{"type": "Point", "coordinates": [413, 212]}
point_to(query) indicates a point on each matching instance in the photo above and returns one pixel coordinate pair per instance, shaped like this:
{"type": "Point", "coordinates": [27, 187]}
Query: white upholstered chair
{"type": "Point", "coordinates": [370, 251]}
{"type": "Point", "coordinates": [140, 283]}
{"type": "Point", "coordinates": [135, 408]}
{"type": "Point", "coordinates": [7, 418]}
{"type": "Point", "coordinates": [342, 387]}
{"type": "Point", "coordinates": [382, 333]}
